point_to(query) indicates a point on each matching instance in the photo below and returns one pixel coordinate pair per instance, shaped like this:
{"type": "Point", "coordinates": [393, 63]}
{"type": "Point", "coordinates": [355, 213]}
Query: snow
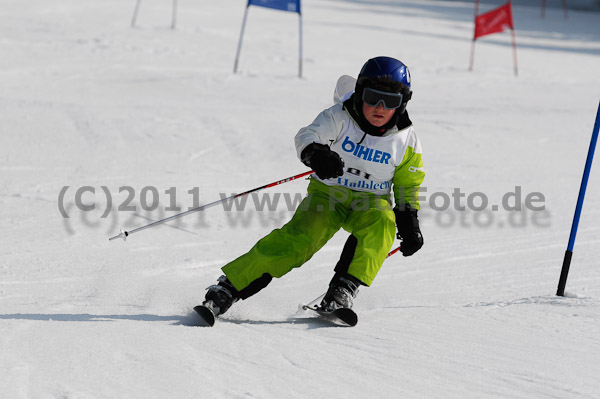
{"type": "Point", "coordinates": [89, 103]}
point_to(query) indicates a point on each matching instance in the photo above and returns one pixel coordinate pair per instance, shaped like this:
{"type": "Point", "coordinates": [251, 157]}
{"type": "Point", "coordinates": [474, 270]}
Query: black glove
{"type": "Point", "coordinates": [323, 161]}
{"type": "Point", "coordinates": [408, 230]}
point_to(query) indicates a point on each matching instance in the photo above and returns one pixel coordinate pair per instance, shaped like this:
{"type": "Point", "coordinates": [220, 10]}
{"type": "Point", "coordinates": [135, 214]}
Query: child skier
{"type": "Point", "coordinates": [360, 151]}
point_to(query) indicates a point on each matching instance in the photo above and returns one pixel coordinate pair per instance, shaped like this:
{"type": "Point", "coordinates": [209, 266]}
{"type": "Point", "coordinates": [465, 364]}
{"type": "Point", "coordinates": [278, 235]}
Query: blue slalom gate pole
{"type": "Point", "coordinates": [586, 174]}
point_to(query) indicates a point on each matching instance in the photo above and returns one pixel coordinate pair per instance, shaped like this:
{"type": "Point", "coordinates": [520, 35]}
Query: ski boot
{"type": "Point", "coordinates": [343, 288]}
{"type": "Point", "coordinates": [221, 296]}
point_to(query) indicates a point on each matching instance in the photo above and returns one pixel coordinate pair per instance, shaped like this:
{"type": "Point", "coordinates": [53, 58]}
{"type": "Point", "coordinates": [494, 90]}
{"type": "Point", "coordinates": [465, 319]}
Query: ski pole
{"type": "Point", "coordinates": [124, 234]}
{"type": "Point", "coordinates": [393, 251]}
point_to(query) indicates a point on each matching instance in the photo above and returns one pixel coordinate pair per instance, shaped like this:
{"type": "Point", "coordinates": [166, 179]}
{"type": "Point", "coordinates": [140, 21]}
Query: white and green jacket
{"type": "Point", "coordinates": [375, 164]}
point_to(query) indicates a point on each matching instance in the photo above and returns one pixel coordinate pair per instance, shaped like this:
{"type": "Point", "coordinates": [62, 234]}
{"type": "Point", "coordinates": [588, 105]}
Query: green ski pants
{"type": "Point", "coordinates": [319, 216]}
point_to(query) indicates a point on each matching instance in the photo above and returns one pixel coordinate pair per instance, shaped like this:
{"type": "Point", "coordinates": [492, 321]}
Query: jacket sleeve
{"type": "Point", "coordinates": [324, 129]}
{"type": "Point", "coordinates": [409, 175]}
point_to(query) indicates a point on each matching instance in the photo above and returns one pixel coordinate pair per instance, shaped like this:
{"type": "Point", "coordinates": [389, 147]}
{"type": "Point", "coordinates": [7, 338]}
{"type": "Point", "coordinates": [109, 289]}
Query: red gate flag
{"type": "Point", "coordinates": [494, 21]}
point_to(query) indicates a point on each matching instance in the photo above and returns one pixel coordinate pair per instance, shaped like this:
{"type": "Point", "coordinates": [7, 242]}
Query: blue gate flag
{"type": "Point", "coordinates": [283, 5]}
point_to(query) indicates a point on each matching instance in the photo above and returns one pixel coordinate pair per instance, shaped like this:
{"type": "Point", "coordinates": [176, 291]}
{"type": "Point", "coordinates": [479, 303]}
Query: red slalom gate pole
{"type": "Point", "coordinates": [472, 59]}
{"type": "Point", "coordinates": [124, 234]}
{"type": "Point", "coordinates": [514, 46]}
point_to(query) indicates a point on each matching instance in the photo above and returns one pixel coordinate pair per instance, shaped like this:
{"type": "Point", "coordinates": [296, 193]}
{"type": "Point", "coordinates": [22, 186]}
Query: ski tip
{"type": "Point", "coordinates": [207, 317]}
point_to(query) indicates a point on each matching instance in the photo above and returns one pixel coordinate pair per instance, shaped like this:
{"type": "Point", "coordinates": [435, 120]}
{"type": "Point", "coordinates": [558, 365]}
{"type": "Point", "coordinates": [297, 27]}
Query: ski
{"type": "Point", "coordinates": [207, 316]}
{"type": "Point", "coordinates": [342, 316]}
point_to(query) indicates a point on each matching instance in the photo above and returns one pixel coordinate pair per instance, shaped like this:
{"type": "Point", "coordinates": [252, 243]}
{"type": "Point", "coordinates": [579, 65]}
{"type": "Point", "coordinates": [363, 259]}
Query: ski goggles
{"type": "Point", "coordinates": [373, 97]}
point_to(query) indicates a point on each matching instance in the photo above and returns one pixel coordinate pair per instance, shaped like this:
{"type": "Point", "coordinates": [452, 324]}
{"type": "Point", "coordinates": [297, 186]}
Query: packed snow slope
{"type": "Point", "coordinates": [106, 127]}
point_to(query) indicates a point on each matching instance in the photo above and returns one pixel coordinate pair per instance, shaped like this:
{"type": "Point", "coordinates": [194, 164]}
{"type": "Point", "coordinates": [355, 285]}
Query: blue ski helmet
{"type": "Point", "coordinates": [386, 74]}
{"type": "Point", "coordinates": [380, 67]}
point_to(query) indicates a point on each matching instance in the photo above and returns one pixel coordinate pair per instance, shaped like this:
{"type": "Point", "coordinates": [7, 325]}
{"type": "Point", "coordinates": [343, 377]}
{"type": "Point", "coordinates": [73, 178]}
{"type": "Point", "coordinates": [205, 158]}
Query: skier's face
{"type": "Point", "coordinates": [377, 116]}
